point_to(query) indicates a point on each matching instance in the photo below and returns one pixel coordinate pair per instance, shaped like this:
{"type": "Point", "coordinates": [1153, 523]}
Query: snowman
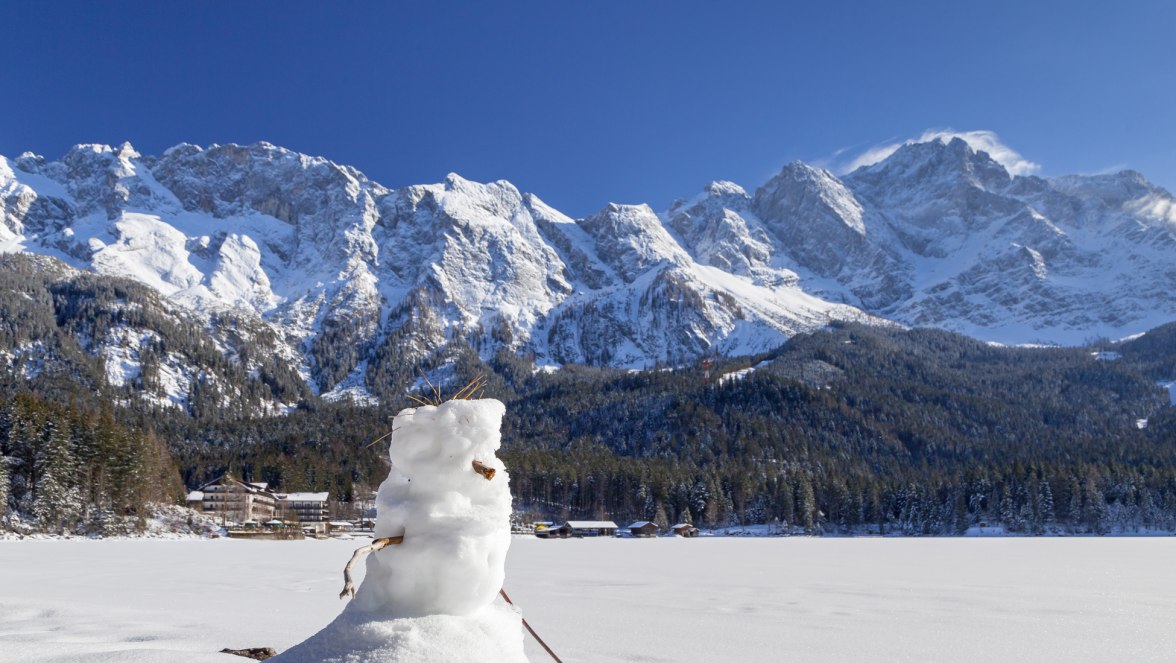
{"type": "Point", "coordinates": [438, 559]}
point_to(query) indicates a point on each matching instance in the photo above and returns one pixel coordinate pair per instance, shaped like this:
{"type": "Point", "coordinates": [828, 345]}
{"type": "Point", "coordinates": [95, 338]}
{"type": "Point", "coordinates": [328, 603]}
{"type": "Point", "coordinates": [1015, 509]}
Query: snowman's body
{"type": "Point", "coordinates": [455, 522]}
{"type": "Point", "coordinates": [430, 598]}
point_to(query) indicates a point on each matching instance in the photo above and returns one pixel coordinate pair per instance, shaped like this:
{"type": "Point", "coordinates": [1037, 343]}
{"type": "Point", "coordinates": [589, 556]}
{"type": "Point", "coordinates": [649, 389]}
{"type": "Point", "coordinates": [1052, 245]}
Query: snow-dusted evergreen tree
{"type": "Point", "coordinates": [729, 509]}
{"type": "Point", "coordinates": [713, 514]}
{"type": "Point", "coordinates": [22, 443]}
{"type": "Point", "coordinates": [1045, 504]}
{"type": "Point", "coordinates": [1097, 514]}
{"type": "Point", "coordinates": [1149, 510]}
{"type": "Point", "coordinates": [699, 497]}
{"type": "Point", "coordinates": [4, 488]}
{"type": "Point", "coordinates": [1074, 512]}
{"type": "Point", "coordinates": [56, 504]}
{"type": "Point", "coordinates": [126, 470]}
{"type": "Point", "coordinates": [806, 504]}
{"type": "Point", "coordinates": [1010, 516]}
{"type": "Point", "coordinates": [1168, 521]}
{"type": "Point", "coordinates": [660, 518]}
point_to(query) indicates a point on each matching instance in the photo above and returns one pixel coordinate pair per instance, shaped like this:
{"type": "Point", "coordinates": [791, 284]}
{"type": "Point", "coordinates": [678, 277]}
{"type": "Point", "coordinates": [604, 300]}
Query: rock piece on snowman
{"type": "Point", "coordinates": [447, 501]}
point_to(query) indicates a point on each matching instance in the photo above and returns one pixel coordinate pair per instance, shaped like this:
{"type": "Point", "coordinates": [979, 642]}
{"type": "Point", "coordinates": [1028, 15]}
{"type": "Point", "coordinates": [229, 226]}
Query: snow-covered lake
{"type": "Point", "coordinates": [798, 599]}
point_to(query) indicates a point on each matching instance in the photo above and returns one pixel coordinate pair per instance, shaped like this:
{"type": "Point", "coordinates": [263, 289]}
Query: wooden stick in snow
{"type": "Point", "coordinates": [375, 546]}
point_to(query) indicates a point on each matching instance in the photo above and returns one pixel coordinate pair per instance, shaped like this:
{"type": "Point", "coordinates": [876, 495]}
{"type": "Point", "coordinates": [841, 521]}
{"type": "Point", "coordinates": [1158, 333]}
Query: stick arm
{"type": "Point", "coordinates": [374, 546]}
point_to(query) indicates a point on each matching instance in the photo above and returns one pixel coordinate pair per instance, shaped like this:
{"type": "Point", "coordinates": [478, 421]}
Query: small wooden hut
{"type": "Point", "coordinates": [643, 529]}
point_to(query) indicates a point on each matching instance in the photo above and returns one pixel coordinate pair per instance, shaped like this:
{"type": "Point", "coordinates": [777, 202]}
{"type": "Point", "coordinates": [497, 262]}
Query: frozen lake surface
{"type": "Point", "coordinates": [797, 599]}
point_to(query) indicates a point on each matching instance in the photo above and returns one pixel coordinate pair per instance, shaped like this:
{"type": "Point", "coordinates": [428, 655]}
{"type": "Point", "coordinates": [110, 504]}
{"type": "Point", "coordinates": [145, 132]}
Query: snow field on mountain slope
{"type": "Point", "coordinates": [762, 599]}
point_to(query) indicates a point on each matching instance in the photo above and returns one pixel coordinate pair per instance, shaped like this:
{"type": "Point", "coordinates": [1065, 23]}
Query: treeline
{"type": "Point", "coordinates": [1082, 498]}
{"type": "Point", "coordinates": [853, 428]}
{"type": "Point", "coordinates": [859, 429]}
{"type": "Point", "coordinates": [73, 470]}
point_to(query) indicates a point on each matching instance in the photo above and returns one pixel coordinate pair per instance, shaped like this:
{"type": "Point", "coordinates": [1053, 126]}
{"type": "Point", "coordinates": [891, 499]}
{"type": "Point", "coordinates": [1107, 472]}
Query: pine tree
{"type": "Point", "coordinates": [660, 518]}
{"type": "Point", "coordinates": [699, 497]}
{"type": "Point", "coordinates": [1045, 505]}
{"type": "Point", "coordinates": [806, 504]}
{"type": "Point", "coordinates": [4, 488]}
{"type": "Point", "coordinates": [1097, 514]}
{"type": "Point", "coordinates": [1149, 511]}
{"type": "Point", "coordinates": [57, 503]}
{"type": "Point", "coordinates": [1008, 513]}
{"type": "Point", "coordinates": [1075, 508]}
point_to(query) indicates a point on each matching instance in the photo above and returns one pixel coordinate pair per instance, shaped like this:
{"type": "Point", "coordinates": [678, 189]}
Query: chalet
{"type": "Point", "coordinates": [685, 529]}
{"type": "Point", "coordinates": [230, 499]}
{"type": "Point", "coordinates": [304, 507]}
{"type": "Point", "coordinates": [643, 529]}
{"type": "Point", "coordinates": [592, 527]}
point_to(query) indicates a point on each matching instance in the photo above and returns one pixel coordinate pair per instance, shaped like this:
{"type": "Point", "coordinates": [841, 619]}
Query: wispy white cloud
{"type": "Point", "coordinates": [986, 141]}
{"type": "Point", "coordinates": [1112, 169]}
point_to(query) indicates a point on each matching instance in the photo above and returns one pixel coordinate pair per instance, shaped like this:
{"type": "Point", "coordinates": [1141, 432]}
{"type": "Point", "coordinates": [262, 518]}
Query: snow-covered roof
{"type": "Point", "coordinates": [681, 525]}
{"type": "Point", "coordinates": [640, 523]}
{"type": "Point", "coordinates": [259, 484]}
{"type": "Point", "coordinates": [303, 497]}
{"type": "Point", "coordinates": [195, 496]}
{"type": "Point", "coordinates": [592, 524]}
{"type": "Point", "coordinates": [341, 523]}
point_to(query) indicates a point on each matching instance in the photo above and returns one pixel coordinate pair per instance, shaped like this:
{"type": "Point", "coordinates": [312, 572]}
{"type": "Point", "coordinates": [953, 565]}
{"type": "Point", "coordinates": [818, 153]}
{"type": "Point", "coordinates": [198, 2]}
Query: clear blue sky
{"type": "Point", "coordinates": [591, 102]}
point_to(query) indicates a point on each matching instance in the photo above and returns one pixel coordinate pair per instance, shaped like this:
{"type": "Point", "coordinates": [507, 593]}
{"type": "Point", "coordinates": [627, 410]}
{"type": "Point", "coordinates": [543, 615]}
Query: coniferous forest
{"type": "Point", "coordinates": [855, 429]}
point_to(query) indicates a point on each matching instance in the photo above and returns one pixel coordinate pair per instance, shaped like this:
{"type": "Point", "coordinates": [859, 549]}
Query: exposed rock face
{"type": "Point", "coordinates": [352, 277]}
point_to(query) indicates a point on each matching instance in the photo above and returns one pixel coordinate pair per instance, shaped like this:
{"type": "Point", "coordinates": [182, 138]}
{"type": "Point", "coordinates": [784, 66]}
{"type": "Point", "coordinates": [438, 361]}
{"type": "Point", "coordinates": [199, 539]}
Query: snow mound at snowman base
{"type": "Point", "coordinates": [493, 633]}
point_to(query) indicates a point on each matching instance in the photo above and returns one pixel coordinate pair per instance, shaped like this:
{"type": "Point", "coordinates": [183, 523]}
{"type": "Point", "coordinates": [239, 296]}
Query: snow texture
{"type": "Point", "coordinates": [753, 600]}
{"type": "Point", "coordinates": [430, 597]}
{"type": "Point", "coordinates": [493, 633]}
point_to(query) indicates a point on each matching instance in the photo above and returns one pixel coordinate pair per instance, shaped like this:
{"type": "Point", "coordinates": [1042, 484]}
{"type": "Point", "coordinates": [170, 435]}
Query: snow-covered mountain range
{"type": "Point", "coordinates": [352, 276]}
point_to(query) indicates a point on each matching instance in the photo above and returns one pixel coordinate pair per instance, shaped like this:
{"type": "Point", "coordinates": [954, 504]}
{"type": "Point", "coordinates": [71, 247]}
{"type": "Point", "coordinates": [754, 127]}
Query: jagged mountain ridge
{"type": "Point", "coordinates": [939, 234]}
{"type": "Point", "coordinates": [354, 277]}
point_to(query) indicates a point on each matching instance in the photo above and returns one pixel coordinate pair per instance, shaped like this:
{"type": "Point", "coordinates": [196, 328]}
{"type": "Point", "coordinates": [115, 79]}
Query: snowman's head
{"type": "Point", "coordinates": [451, 439]}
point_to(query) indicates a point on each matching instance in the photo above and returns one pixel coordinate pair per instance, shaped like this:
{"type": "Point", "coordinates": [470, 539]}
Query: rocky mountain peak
{"type": "Point", "coordinates": [631, 239]}
{"type": "Point", "coordinates": [803, 201]}
{"type": "Point", "coordinates": [723, 188]}
{"type": "Point", "coordinates": [353, 279]}
{"type": "Point", "coordinates": [937, 164]}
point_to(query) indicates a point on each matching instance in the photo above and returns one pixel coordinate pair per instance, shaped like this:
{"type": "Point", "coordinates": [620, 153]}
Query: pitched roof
{"type": "Point", "coordinates": [641, 523]}
{"type": "Point", "coordinates": [252, 487]}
